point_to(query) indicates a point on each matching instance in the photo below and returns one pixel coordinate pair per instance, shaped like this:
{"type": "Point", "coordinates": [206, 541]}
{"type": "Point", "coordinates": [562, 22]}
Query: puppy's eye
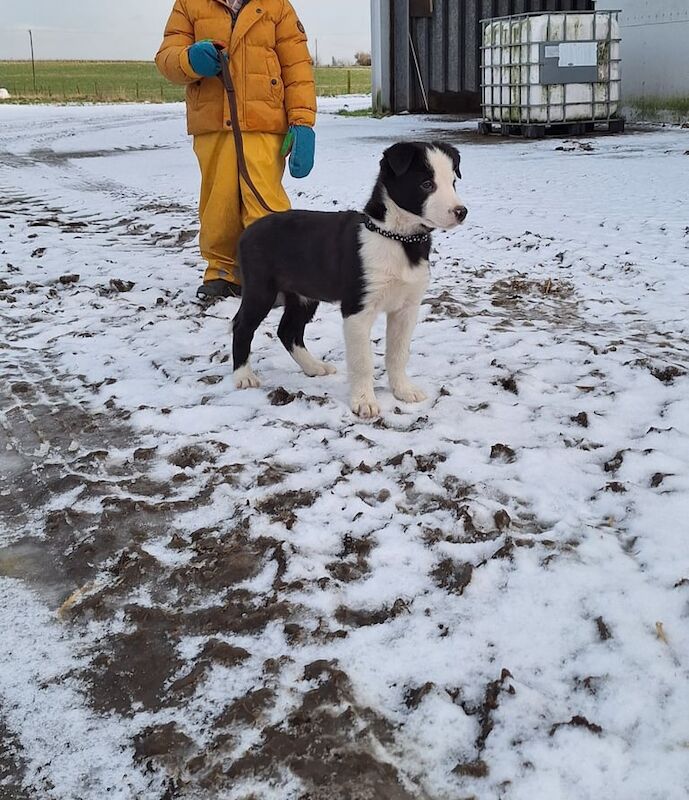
{"type": "Point", "coordinates": [428, 186]}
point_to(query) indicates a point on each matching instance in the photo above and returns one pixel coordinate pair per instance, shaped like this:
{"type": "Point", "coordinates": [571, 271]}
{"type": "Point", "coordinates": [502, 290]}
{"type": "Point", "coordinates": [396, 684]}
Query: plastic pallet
{"type": "Point", "coordinates": [541, 130]}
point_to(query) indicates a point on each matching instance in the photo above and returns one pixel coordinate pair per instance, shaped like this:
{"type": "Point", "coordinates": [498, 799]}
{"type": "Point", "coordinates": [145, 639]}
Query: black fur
{"type": "Point", "coordinates": [309, 254]}
{"type": "Point", "coordinates": [316, 255]}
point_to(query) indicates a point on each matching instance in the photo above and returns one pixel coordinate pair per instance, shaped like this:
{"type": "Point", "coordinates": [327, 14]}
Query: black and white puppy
{"type": "Point", "coordinates": [370, 263]}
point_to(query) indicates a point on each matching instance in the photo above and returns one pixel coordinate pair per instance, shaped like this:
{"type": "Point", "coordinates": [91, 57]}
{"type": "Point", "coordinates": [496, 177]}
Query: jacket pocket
{"type": "Point", "coordinates": [277, 87]}
{"type": "Point", "coordinates": [194, 95]}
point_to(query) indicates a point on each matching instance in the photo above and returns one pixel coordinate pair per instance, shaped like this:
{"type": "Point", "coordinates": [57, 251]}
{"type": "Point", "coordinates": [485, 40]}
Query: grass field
{"type": "Point", "coordinates": [129, 81]}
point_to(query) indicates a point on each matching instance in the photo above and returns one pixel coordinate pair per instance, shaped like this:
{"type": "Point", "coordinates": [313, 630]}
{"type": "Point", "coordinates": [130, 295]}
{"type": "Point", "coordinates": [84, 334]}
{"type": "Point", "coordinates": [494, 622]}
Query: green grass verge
{"type": "Point", "coordinates": [360, 112]}
{"type": "Point", "coordinates": [132, 81]}
{"type": "Point", "coordinates": [673, 109]}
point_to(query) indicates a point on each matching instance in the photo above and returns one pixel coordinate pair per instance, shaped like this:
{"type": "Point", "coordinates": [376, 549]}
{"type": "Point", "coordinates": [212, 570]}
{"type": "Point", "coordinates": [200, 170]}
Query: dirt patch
{"type": "Point", "coordinates": [484, 712]}
{"type": "Point", "coordinates": [604, 632]}
{"type": "Point", "coordinates": [502, 452]}
{"type": "Point", "coordinates": [615, 462]}
{"type": "Point", "coordinates": [281, 397]}
{"type": "Point", "coordinates": [445, 305]}
{"type": "Point", "coordinates": [120, 286]}
{"type": "Point", "coordinates": [667, 375]}
{"type": "Point", "coordinates": [191, 457]}
{"type": "Point", "coordinates": [328, 743]}
{"type": "Point", "coordinates": [512, 290]}
{"type": "Point", "coordinates": [247, 710]}
{"type": "Point", "coordinates": [12, 766]}
{"type": "Point", "coordinates": [414, 696]}
{"type": "Point", "coordinates": [160, 741]}
{"type": "Point", "coordinates": [281, 507]}
{"type": "Point", "coordinates": [75, 545]}
{"type": "Point", "coordinates": [142, 668]}
{"type": "Point", "coordinates": [453, 577]}
{"type": "Point", "coordinates": [616, 487]}
{"type": "Point", "coordinates": [361, 618]}
{"type": "Point", "coordinates": [472, 769]}
{"type": "Point", "coordinates": [502, 520]}
{"type": "Point", "coordinates": [273, 474]}
{"type": "Point", "coordinates": [134, 668]}
{"type": "Point", "coordinates": [352, 563]}
{"type": "Point", "coordinates": [219, 562]}
{"type": "Point", "coordinates": [429, 462]}
{"type": "Point", "coordinates": [509, 384]}
{"type": "Point", "coordinates": [525, 300]}
{"type": "Point", "coordinates": [576, 722]}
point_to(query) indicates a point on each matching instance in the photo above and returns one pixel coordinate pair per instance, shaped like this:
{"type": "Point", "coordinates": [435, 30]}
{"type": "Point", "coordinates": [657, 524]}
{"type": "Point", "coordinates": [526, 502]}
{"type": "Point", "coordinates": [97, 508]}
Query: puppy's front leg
{"type": "Point", "coordinates": [357, 330]}
{"type": "Point", "coordinates": [398, 341]}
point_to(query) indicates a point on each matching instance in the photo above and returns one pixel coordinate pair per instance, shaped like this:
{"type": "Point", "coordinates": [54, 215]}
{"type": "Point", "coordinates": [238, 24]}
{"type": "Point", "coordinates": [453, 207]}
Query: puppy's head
{"type": "Point", "coordinates": [421, 179]}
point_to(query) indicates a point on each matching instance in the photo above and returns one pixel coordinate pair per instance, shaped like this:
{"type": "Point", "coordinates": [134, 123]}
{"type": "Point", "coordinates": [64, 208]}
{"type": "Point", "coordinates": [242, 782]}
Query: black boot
{"type": "Point", "coordinates": [218, 289]}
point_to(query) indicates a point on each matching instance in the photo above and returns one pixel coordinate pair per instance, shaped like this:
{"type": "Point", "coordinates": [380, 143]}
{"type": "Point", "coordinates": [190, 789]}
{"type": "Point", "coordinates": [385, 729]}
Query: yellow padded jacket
{"type": "Point", "coordinates": [269, 60]}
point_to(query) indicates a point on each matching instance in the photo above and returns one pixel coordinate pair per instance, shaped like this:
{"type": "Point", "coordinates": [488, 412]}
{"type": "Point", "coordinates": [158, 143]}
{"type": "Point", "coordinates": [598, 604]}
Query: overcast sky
{"type": "Point", "coordinates": [131, 29]}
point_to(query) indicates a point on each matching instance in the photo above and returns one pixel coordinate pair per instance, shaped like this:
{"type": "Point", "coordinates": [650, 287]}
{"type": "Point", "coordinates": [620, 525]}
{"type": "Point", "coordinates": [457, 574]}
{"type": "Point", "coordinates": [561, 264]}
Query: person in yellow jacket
{"type": "Point", "coordinates": [273, 75]}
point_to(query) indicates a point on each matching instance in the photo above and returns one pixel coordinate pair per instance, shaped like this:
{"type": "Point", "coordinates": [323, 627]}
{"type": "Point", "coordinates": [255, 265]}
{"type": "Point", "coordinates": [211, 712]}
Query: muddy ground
{"type": "Point", "coordinates": [260, 597]}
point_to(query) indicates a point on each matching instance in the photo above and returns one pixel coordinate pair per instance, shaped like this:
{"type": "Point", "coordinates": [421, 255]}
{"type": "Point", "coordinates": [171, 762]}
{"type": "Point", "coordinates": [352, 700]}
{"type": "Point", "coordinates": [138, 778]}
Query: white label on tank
{"type": "Point", "coordinates": [552, 51]}
{"type": "Point", "coordinates": [578, 54]}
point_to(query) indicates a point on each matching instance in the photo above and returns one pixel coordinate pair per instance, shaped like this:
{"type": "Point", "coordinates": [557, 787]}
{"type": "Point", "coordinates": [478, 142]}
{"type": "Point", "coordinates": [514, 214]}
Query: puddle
{"type": "Point", "coordinates": [31, 561]}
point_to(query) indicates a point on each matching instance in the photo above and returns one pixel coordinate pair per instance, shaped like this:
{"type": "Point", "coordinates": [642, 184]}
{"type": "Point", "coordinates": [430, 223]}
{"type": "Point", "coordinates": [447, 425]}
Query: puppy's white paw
{"type": "Point", "coordinates": [245, 378]}
{"type": "Point", "coordinates": [311, 366]}
{"type": "Point", "coordinates": [318, 368]}
{"type": "Point", "coordinates": [365, 406]}
{"type": "Point", "coordinates": [409, 393]}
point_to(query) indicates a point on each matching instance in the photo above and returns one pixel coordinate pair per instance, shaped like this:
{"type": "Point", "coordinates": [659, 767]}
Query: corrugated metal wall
{"type": "Point", "coordinates": [447, 47]}
{"type": "Point", "coordinates": [655, 36]}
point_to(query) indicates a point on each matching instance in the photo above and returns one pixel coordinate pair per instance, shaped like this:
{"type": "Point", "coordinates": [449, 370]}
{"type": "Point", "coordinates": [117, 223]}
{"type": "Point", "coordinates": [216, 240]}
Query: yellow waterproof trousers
{"type": "Point", "coordinates": [227, 205]}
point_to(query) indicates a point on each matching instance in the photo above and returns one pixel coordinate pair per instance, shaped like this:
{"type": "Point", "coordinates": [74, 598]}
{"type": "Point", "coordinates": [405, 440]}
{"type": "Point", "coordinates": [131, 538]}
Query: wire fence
{"type": "Point", "coordinates": [134, 82]}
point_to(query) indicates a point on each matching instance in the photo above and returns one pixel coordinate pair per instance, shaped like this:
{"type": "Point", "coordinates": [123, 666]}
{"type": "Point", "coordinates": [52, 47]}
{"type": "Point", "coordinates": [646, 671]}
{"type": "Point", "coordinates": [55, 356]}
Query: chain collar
{"type": "Point", "coordinates": [414, 238]}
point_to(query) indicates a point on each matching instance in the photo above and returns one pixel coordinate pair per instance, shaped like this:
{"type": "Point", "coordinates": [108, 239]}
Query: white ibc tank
{"type": "Point", "coordinates": [551, 68]}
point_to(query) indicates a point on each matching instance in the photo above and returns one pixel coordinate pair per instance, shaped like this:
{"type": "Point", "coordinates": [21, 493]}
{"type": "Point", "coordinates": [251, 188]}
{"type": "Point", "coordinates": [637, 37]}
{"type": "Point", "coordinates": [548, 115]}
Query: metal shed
{"type": "Point", "coordinates": [656, 51]}
{"type": "Point", "coordinates": [426, 53]}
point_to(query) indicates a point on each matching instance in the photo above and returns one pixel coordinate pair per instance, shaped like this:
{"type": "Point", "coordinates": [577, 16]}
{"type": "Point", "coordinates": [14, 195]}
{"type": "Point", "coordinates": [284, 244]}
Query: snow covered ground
{"type": "Point", "coordinates": [208, 593]}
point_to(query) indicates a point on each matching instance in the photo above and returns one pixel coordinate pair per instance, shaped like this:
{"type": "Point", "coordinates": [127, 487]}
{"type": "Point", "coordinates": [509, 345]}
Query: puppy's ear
{"type": "Point", "coordinates": [456, 162]}
{"type": "Point", "coordinates": [453, 153]}
{"type": "Point", "coordinates": [400, 156]}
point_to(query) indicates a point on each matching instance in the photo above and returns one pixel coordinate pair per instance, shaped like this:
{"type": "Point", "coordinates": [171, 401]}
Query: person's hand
{"type": "Point", "coordinates": [300, 144]}
{"type": "Point", "coordinates": [204, 59]}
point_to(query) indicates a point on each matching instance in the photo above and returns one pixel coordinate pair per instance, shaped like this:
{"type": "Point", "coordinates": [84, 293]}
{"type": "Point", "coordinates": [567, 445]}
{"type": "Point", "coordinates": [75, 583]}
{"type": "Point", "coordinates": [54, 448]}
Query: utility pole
{"type": "Point", "coordinates": [33, 61]}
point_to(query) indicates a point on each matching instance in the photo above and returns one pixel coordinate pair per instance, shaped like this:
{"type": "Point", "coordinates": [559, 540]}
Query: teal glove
{"type": "Point", "coordinates": [300, 144]}
{"type": "Point", "coordinates": [204, 59]}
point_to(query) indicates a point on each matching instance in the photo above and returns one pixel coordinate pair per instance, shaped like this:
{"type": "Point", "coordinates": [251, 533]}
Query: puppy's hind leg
{"type": "Point", "coordinates": [253, 310]}
{"type": "Point", "coordinates": [298, 313]}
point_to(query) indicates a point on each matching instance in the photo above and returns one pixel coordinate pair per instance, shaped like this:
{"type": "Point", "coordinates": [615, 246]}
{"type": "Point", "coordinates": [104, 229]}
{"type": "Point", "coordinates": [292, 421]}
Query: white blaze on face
{"type": "Point", "coordinates": [440, 206]}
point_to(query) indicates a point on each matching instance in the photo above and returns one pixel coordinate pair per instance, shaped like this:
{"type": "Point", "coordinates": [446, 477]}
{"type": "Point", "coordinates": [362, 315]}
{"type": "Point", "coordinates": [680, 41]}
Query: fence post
{"type": "Point", "coordinates": [137, 90]}
{"type": "Point", "coordinates": [349, 81]}
{"type": "Point", "coordinates": [162, 96]}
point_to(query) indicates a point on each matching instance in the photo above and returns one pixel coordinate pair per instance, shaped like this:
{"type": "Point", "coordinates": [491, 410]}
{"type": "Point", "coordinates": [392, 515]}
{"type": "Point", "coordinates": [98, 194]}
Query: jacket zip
{"type": "Point", "coordinates": [240, 11]}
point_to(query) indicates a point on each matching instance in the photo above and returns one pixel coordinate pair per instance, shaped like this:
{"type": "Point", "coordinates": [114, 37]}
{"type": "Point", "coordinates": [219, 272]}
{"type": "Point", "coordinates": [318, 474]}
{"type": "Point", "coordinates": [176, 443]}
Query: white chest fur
{"type": "Point", "coordinates": [391, 281]}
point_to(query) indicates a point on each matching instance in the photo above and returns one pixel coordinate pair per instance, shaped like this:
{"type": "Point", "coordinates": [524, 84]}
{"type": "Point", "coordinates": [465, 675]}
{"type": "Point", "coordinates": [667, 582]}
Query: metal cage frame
{"type": "Point", "coordinates": [525, 67]}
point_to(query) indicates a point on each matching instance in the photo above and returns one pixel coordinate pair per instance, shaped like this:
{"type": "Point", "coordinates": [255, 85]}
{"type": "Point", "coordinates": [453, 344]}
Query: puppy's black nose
{"type": "Point", "coordinates": [461, 213]}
